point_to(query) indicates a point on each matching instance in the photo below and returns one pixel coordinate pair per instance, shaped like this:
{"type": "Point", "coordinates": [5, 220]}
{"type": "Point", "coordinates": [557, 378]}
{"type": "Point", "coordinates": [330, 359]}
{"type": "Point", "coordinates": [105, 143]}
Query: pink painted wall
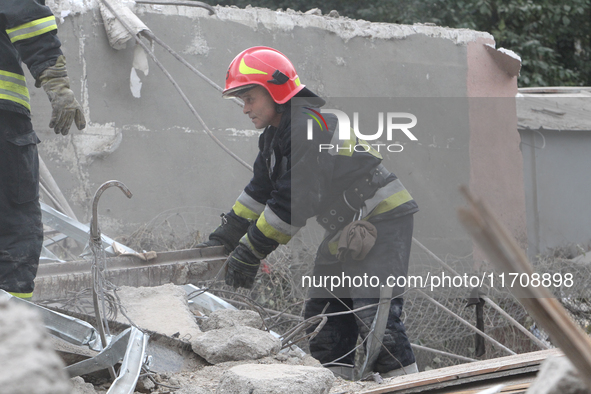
{"type": "Point", "coordinates": [496, 163]}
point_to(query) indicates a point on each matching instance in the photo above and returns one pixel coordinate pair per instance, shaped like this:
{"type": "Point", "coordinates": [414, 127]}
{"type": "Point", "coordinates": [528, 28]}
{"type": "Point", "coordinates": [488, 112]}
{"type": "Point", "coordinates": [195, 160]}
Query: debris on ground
{"type": "Point", "coordinates": [28, 363]}
{"type": "Point", "coordinates": [558, 376]}
{"type": "Point", "coordinates": [81, 387]}
{"type": "Point", "coordinates": [162, 309]}
{"type": "Point", "coordinates": [224, 318]}
{"type": "Point", "coordinates": [206, 379]}
{"type": "Point", "coordinates": [235, 344]}
{"type": "Point", "coordinates": [270, 379]}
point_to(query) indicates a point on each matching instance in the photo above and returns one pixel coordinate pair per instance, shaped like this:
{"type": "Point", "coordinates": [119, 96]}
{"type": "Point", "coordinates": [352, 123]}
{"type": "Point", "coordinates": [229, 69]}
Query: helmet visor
{"type": "Point", "coordinates": [237, 91]}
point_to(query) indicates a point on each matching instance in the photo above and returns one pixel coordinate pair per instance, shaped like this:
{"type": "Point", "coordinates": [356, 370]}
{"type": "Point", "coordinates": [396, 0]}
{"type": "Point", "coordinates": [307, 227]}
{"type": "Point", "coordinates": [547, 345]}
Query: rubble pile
{"type": "Point", "coordinates": [28, 363]}
{"type": "Point", "coordinates": [558, 376]}
{"type": "Point", "coordinates": [238, 355]}
{"type": "Point", "coordinates": [162, 309]}
{"type": "Point", "coordinates": [235, 344]}
{"type": "Point", "coordinates": [224, 318]}
{"type": "Point", "coordinates": [270, 379]}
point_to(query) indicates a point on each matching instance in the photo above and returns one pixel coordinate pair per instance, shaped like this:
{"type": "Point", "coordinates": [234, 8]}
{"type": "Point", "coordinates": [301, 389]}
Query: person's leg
{"type": "Point", "coordinates": [338, 336]}
{"type": "Point", "coordinates": [389, 256]}
{"type": "Point", "coordinates": [396, 352]}
{"type": "Point", "coordinates": [21, 229]}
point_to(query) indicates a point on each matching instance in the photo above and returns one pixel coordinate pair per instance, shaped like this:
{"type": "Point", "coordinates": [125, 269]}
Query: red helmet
{"type": "Point", "coordinates": [266, 67]}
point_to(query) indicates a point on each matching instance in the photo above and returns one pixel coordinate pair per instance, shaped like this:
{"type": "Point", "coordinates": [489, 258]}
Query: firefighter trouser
{"type": "Point", "coordinates": [389, 256]}
{"type": "Point", "coordinates": [21, 229]}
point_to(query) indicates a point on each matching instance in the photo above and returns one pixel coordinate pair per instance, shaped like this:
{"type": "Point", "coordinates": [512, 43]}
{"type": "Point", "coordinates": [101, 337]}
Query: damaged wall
{"type": "Point", "coordinates": [156, 147]}
{"type": "Point", "coordinates": [555, 128]}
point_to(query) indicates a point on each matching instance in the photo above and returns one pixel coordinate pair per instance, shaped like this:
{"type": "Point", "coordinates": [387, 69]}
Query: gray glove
{"type": "Point", "coordinates": [66, 109]}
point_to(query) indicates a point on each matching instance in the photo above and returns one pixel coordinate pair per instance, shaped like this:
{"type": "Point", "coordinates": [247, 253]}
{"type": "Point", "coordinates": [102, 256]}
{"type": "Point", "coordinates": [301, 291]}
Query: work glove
{"type": "Point", "coordinates": [66, 109]}
{"type": "Point", "coordinates": [233, 227]}
{"type": "Point", "coordinates": [242, 267]}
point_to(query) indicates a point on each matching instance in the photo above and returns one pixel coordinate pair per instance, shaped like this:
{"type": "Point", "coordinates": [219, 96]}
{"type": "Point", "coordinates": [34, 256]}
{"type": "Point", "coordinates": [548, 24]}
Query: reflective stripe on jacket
{"type": "Point", "coordinates": [28, 34]}
{"type": "Point", "coordinates": [293, 180]}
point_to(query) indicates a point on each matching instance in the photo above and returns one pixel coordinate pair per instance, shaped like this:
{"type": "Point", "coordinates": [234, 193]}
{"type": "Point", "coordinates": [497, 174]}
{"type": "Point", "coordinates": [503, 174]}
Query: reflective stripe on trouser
{"type": "Point", "coordinates": [24, 296]}
{"type": "Point", "coordinates": [21, 230]}
{"type": "Point", "coordinates": [389, 256]}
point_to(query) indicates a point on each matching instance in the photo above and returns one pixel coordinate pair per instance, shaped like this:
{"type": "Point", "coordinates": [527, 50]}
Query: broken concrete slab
{"type": "Point", "coordinates": [28, 364]}
{"type": "Point", "coordinates": [163, 309]}
{"type": "Point", "coordinates": [558, 376]}
{"type": "Point", "coordinates": [81, 387]}
{"type": "Point", "coordinates": [271, 379]}
{"type": "Point", "coordinates": [235, 344]}
{"type": "Point", "coordinates": [224, 318]}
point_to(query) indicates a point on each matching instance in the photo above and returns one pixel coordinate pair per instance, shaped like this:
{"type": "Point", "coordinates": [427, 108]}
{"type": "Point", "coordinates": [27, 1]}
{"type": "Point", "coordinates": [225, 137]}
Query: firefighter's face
{"type": "Point", "coordinates": [260, 107]}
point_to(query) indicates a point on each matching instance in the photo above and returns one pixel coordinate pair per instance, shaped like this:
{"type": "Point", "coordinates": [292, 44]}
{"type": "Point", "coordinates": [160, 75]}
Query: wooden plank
{"type": "Point", "coordinates": [484, 381]}
{"type": "Point", "coordinates": [503, 251]}
{"type": "Point", "coordinates": [456, 372]}
{"type": "Point", "coordinates": [511, 389]}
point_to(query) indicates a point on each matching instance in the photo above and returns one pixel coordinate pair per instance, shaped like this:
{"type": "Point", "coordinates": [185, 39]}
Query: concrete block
{"type": "Point", "coordinates": [231, 318]}
{"type": "Point", "coordinates": [558, 376]}
{"type": "Point", "coordinates": [275, 379]}
{"type": "Point", "coordinates": [163, 309]}
{"type": "Point", "coordinates": [28, 364]}
{"type": "Point", "coordinates": [235, 344]}
{"type": "Point", "coordinates": [81, 387]}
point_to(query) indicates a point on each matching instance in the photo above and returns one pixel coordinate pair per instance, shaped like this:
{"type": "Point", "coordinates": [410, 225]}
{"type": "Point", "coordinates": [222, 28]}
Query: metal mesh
{"type": "Point", "coordinates": [278, 287]}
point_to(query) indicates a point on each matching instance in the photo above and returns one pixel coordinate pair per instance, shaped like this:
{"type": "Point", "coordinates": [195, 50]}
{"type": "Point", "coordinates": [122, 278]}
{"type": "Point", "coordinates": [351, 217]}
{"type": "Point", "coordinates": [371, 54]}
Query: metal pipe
{"type": "Point", "coordinates": [515, 323]}
{"type": "Point", "coordinates": [94, 231]}
{"type": "Point", "coordinates": [442, 353]}
{"type": "Point", "coordinates": [467, 324]}
{"type": "Point", "coordinates": [95, 239]}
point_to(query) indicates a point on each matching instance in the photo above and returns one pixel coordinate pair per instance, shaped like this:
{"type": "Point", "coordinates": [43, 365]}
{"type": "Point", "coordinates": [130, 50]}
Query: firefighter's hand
{"type": "Point", "coordinates": [66, 108]}
{"type": "Point", "coordinates": [241, 267]}
{"type": "Point", "coordinates": [208, 243]}
{"type": "Point", "coordinates": [233, 227]}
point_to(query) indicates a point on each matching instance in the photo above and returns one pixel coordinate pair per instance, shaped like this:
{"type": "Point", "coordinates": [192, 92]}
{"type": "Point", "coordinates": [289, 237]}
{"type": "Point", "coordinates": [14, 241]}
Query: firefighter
{"type": "Point", "coordinates": [294, 180]}
{"type": "Point", "coordinates": [27, 34]}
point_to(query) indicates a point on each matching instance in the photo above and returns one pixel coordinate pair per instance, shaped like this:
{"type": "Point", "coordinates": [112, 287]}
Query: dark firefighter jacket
{"type": "Point", "coordinates": [295, 180]}
{"type": "Point", "coordinates": [27, 34]}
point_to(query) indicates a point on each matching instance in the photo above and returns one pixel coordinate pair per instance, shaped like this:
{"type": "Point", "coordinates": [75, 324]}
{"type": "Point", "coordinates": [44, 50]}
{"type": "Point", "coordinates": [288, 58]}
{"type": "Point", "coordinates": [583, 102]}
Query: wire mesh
{"type": "Point", "coordinates": [278, 293]}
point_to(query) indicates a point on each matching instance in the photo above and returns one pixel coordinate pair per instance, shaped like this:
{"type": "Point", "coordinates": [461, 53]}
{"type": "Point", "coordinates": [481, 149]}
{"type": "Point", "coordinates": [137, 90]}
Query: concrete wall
{"type": "Point", "coordinates": [155, 146]}
{"type": "Point", "coordinates": [558, 186]}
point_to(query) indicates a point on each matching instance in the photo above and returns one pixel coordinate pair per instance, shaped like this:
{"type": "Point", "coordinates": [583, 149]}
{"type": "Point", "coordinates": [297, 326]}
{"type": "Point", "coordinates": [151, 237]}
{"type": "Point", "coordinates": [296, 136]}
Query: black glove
{"type": "Point", "coordinates": [233, 227]}
{"type": "Point", "coordinates": [242, 267]}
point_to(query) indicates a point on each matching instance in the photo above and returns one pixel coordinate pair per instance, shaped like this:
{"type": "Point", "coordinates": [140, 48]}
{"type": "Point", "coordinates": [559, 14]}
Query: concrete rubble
{"type": "Point", "coordinates": [224, 318]}
{"type": "Point", "coordinates": [81, 387]}
{"type": "Point", "coordinates": [231, 335]}
{"type": "Point", "coordinates": [235, 344]}
{"type": "Point", "coordinates": [162, 309]}
{"type": "Point", "coordinates": [28, 364]}
{"type": "Point", "coordinates": [271, 379]}
{"type": "Point", "coordinates": [558, 376]}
